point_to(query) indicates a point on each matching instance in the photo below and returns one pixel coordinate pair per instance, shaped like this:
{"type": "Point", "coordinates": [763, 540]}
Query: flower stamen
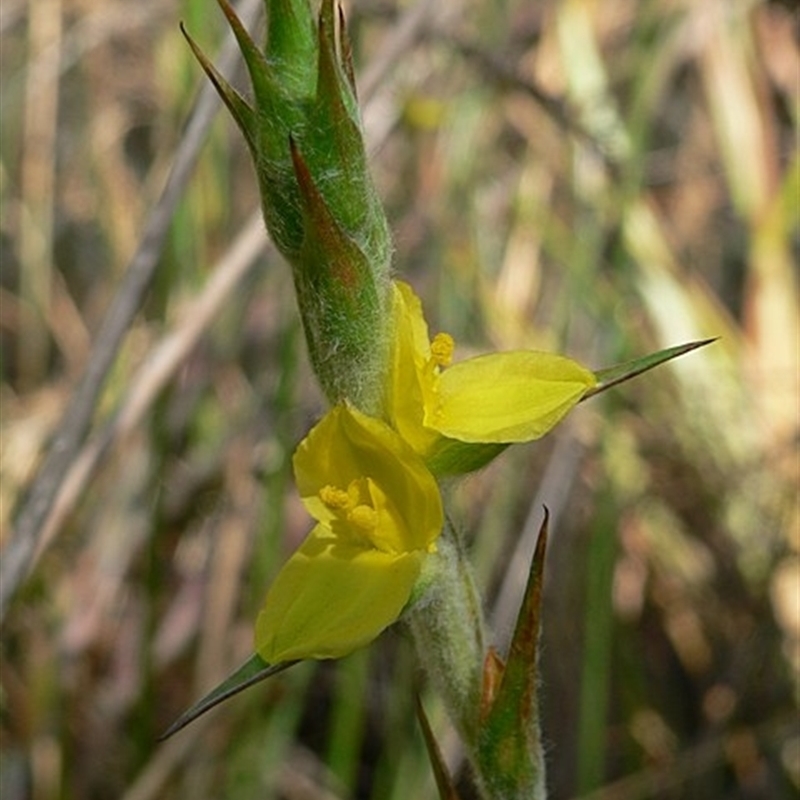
{"type": "Point", "coordinates": [363, 517]}
{"type": "Point", "coordinates": [334, 498]}
{"type": "Point", "coordinates": [442, 348]}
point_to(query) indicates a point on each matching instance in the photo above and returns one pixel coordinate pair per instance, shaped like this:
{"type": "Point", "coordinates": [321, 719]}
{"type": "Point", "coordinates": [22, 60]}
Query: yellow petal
{"type": "Point", "coordinates": [408, 308]}
{"type": "Point", "coordinates": [410, 380]}
{"type": "Point", "coordinates": [346, 446]}
{"type": "Point", "coordinates": [507, 397]}
{"type": "Point", "coordinates": [331, 598]}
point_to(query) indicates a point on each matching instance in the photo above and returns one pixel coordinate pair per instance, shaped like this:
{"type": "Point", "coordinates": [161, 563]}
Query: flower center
{"type": "Point", "coordinates": [353, 506]}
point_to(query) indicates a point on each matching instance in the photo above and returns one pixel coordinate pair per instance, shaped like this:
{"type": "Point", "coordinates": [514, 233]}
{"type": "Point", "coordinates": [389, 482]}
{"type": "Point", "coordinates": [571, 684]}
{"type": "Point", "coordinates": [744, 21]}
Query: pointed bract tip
{"type": "Point", "coordinates": [253, 671]}
{"type": "Point", "coordinates": [620, 373]}
{"type": "Point", "coordinates": [347, 53]}
{"type": "Point", "coordinates": [240, 109]}
{"type": "Point", "coordinates": [444, 781]}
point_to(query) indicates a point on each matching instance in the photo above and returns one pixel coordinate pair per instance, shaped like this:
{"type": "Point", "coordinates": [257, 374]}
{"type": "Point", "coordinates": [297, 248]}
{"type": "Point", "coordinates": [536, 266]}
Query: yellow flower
{"type": "Point", "coordinates": [378, 512]}
{"type": "Point", "coordinates": [494, 399]}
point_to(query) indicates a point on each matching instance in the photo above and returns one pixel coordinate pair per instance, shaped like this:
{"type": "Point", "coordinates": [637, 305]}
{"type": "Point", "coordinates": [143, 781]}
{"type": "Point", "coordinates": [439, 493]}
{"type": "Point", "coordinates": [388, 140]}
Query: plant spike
{"type": "Point", "coordinates": [614, 376]}
{"type": "Point", "coordinates": [444, 781]}
{"type": "Point", "coordinates": [321, 208]}
{"type": "Point", "coordinates": [241, 111]}
{"type": "Point", "coordinates": [253, 671]}
{"type": "Point", "coordinates": [509, 748]}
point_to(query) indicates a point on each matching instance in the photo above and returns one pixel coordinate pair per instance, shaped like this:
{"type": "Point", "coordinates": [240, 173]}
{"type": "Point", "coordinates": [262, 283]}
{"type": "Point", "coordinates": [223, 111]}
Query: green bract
{"type": "Point", "coordinates": [304, 132]}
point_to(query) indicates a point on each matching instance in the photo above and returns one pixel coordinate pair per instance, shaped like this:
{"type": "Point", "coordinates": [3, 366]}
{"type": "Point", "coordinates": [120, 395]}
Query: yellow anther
{"type": "Point", "coordinates": [442, 348]}
{"type": "Point", "coordinates": [363, 517]}
{"type": "Point", "coordinates": [334, 498]}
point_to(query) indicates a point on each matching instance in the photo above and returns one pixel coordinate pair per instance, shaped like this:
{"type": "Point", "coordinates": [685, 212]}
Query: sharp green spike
{"type": "Point", "coordinates": [509, 739]}
{"type": "Point", "coordinates": [342, 166]}
{"type": "Point", "coordinates": [347, 54]}
{"type": "Point", "coordinates": [254, 670]}
{"type": "Point", "coordinates": [257, 67]}
{"type": "Point", "coordinates": [444, 781]}
{"type": "Point", "coordinates": [332, 65]}
{"type": "Point", "coordinates": [613, 376]}
{"type": "Point", "coordinates": [240, 109]}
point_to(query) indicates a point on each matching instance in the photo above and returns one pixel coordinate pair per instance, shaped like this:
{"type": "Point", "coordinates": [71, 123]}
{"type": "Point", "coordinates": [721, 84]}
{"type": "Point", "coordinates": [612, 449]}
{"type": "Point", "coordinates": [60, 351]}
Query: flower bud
{"type": "Point", "coordinates": [321, 208]}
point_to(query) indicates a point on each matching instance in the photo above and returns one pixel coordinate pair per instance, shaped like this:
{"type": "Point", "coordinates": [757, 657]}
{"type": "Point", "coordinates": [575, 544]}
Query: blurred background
{"type": "Point", "coordinates": [599, 179]}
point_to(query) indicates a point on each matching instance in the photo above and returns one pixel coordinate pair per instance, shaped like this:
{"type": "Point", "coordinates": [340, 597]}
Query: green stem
{"type": "Point", "coordinates": [498, 719]}
{"type": "Point", "coordinates": [447, 627]}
